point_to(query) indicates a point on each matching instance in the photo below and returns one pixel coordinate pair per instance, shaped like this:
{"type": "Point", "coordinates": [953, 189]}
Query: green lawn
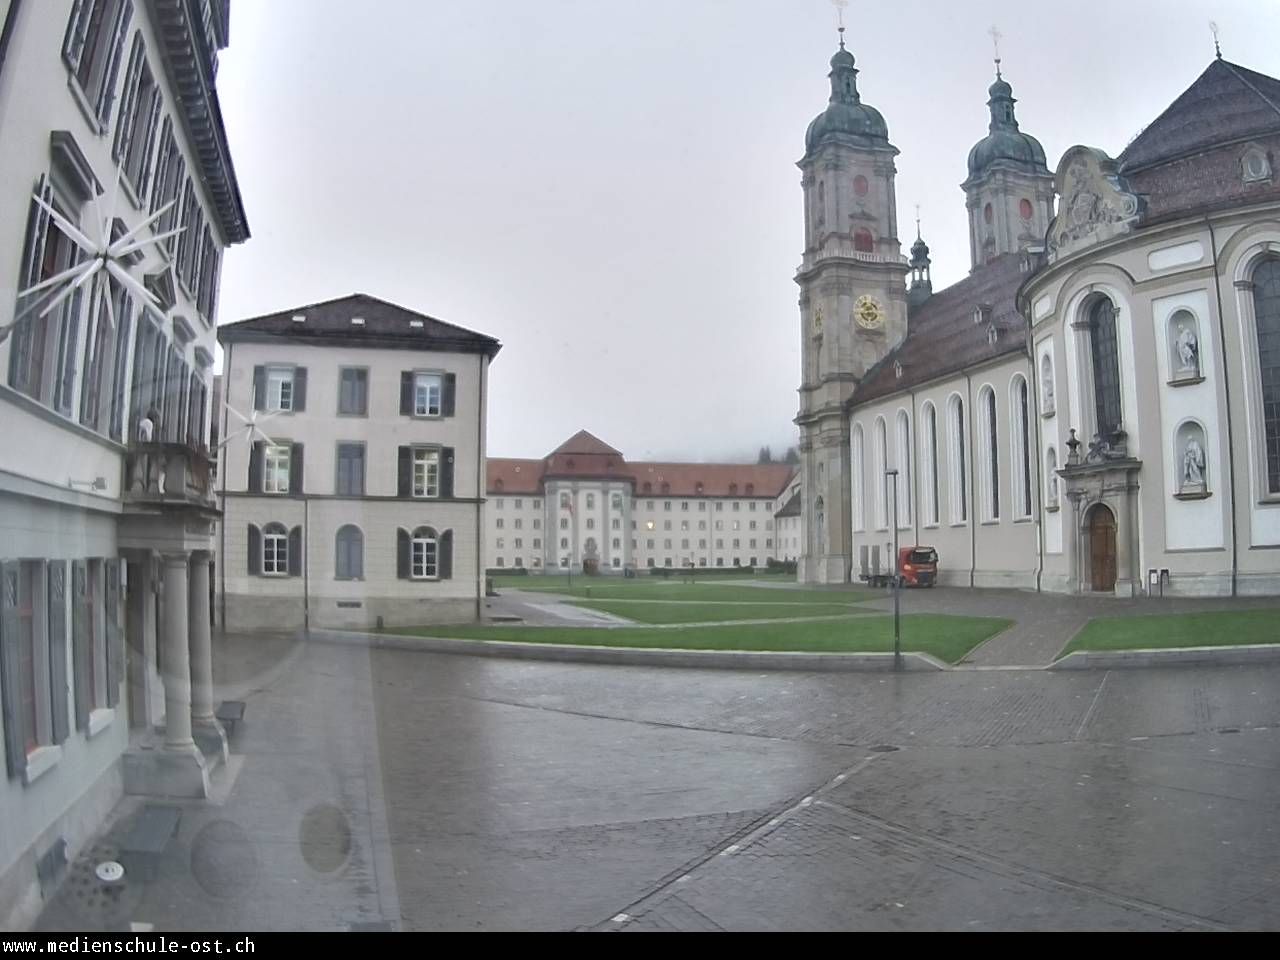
{"type": "Point", "coordinates": [680, 612]}
{"type": "Point", "coordinates": [1219, 629]}
{"type": "Point", "coordinates": [656, 589]}
{"type": "Point", "coordinates": [947, 638]}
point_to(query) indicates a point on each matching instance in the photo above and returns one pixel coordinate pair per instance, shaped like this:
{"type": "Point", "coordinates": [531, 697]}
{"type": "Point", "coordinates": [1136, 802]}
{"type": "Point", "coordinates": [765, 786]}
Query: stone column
{"type": "Point", "coordinates": [201, 645]}
{"type": "Point", "coordinates": [141, 625]}
{"type": "Point", "coordinates": [1125, 547]}
{"type": "Point", "coordinates": [177, 656]}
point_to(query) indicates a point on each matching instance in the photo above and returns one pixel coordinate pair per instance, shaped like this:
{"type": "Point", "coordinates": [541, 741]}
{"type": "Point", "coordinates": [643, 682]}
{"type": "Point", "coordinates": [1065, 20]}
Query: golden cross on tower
{"type": "Point", "coordinates": [917, 221]}
{"type": "Point", "coordinates": [840, 5]}
{"type": "Point", "coordinates": [1217, 48]}
{"type": "Point", "coordinates": [996, 35]}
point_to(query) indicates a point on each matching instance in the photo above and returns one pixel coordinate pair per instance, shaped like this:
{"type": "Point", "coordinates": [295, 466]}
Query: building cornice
{"type": "Point", "coordinates": [189, 61]}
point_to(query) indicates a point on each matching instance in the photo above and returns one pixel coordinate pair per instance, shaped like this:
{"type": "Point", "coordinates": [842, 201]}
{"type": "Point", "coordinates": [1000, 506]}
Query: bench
{"type": "Point", "coordinates": [229, 714]}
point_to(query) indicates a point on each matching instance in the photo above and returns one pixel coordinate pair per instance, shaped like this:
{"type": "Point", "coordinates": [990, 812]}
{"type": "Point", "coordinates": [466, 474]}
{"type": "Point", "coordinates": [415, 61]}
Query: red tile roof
{"type": "Point", "coordinates": [584, 456]}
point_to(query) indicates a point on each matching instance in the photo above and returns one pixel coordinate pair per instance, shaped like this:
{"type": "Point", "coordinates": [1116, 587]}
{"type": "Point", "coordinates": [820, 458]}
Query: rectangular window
{"type": "Point", "coordinates": [275, 554]}
{"type": "Point", "coordinates": [616, 562]}
{"type": "Point", "coordinates": [752, 543]}
{"type": "Point", "coordinates": [426, 472]}
{"type": "Point", "coordinates": [591, 501]}
{"type": "Point", "coordinates": [702, 506]}
{"type": "Point", "coordinates": [353, 392]}
{"type": "Point", "coordinates": [666, 505]}
{"type": "Point", "coordinates": [702, 544]}
{"type": "Point", "coordinates": [564, 501]}
{"type": "Point", "coordinates": [751, 525]}
{"type": "Point", "coordinates": [666, 544]}
{"type": "Point", "coordinates": [616, 524]}
{"type": "Point", "coordinates": [350, 470]}
{"type": "Point", "coordinates": [537, 523]}
{"type": "Point", "coordinates": [518, 524]}
{"type": "Point", "coordinates": [752, 506]}
{"type": "Point", "coordinates": [279, 388]}
{"type": "Point", "coordinates": [719, 544]}
{"type": "Point", "coordinates": [617, 501]}
{"type": "Point", "coordinates": [564, 523]}
{"type": "Point", "coordinates": [591, 523]}
{"type": "Point", "coordinates": [737, 524]}
{"type": "Point", "coordinates": [518, 504]}
{"type": "Point", "coordinates": [666, 524]}
{"type": "Point", "coordinates": [275, 473]}
{"type": "Point", "coordinates": [92, 49]}
{"type": "Point", "coordinates": [537, 543]}
{"type": "Point", "coordinates": [649, 544]}
{"type": "Point", "coordinates": [136, 125]}
{"type": "Point", "coordinates": [736, 543]}
{"type": "Point", "coordinates": [427, 392]}
{"type": "Point", "coordinates": [737, 505]}
{"type": "Point", "coordinates": [684, 524]}
{"type": "Point", "coordinates": [499, 543]}
{"type": "Point", "coordinates": [519, 561]}
{"type": "Point", "coordinates": [537, 504]}
{"type": "Point", "coordinates": [498, 523]}
{"type": "Point", "coordinates": [684, 505]}
{"type": "Point", "coordinates": [719, 506]}
{"type": "Point", "coordinates": [617, 543]}
{"type": "Point", "coordinates": [424, 559]}
{"type": "Point", "coordinates": [564, 543]}
{"type": "Point", "coordinates": [684, 544]}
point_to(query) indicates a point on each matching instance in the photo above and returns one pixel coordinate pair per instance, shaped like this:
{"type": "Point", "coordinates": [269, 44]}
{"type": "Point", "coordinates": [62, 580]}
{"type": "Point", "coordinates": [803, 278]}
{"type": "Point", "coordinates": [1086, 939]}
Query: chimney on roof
{"type": "Point", "coordinates": [299, 318]}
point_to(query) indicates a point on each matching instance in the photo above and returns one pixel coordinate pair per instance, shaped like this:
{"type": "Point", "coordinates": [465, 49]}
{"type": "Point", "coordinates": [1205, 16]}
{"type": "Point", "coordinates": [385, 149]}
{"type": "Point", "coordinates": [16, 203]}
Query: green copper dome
{"type": "Point", "coordinates": [846, 114]}
{"type": "Point", "coordinates": [1004, 141]}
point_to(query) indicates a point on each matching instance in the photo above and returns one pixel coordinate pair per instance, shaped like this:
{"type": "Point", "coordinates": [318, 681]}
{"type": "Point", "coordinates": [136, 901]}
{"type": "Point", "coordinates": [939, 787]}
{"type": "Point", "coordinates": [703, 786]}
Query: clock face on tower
{"type": "Point", "coordinates": [868, 313]}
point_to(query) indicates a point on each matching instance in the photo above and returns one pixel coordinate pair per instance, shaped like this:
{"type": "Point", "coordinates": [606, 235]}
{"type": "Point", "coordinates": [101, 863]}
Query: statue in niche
{"type": "Point", "coordinates": [817, 321]}
{"type": "Point", "coordinates": [1193, 465]}
{"type": "Point", "coordinates": [1188, 349]}
{"type": "Point", "coordinates": [1048, 394]}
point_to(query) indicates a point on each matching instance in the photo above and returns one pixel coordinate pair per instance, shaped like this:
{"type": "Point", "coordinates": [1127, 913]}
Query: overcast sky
{"type": "Point", "coordinates": [609, 186]}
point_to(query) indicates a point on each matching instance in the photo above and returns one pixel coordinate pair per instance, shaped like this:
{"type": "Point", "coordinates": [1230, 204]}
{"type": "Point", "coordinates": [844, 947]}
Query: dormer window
{"type": "Point", "coordinates": [1255, 165]}
{"type": "Point", "coordinates": [357, 321]}
{"type": "Point", "coordinates": [897, 369]}
{"type": "Point", "coordinates": [992, 334]}
{"type": "Point", "coordinates": [982, 313]}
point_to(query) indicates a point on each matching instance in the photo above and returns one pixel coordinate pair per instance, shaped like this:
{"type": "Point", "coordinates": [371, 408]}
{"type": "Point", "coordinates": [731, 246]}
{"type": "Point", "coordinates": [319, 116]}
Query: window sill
{"type": "Point", "coordinates": [1052, 508]}
{"type": "Point", "coordinates": [99, 720]}
{"type": "Point", "coordinates": [425, 579]}
{"type": "Point", "coordinates": [1024, 520]}
{"type": "Point", "coordinates": [354, 416]}
{"type": "Point", "coordinates": [426, 416]}
{"type": "Point", "coordinates": [1047, 414]}
{"type": "Point", "coordinates": [1202, 495]}
{"type": "Point", "coordinates": [991, 523]}
{"type": "Point", "coordinates": [1185, 381]}
{"type": "Point", "coordinates": [956, 524]}
{"type": "Point", "coordinates": [39, 762]}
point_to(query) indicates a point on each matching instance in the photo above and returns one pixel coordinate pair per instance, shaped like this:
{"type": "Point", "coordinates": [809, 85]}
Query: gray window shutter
{"type": "Point", "coordinates": [33, 257]}
{"type": "Point", "coordinates": [300, 389]}
{"type": "Point", "coordinates": [402, 554]}
{"type": "Point", "coordinates": [295, 552]}
{"type": "Point", "coordinates": [449, 394]}
{"type": "Point", "coordinates": [446, 555]}
{"type": "Point", "coordinates": [15, 735]}
{"type": "Point", "coordinates": [254, 565]}
{"type": "Point", "coordinates": [404, 472]}
{"type": "Point", "coordinates": [446, 472]}
{"type": "Point", "coordinates": [57, 580]}
{"type": "Point", "coordinates": [81, 642]}
{"type": "Point", "coordinates": [255, 467]}
{"type": "Point", "coordinates": [295, 469]}
{"type": "Point", "coordinates": [259, 387]}
{"type": "Point", "coordinates": [121, 28]}
{"type": "Point", "coordinates": [406, 392]}
{"type": "Point", "coordinates": [115, 632]}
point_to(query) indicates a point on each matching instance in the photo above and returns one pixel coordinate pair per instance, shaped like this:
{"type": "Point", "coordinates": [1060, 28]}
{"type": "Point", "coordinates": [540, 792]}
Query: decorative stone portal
{"type": "Point", "coordinates": [1102, 488]}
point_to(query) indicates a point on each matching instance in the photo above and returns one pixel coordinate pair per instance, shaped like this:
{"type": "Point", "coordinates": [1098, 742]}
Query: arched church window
{"type": "Point", "coordinates": [881, 454]}
{"type": "Point", "coordinates": [863, 242]}
{"type": "Point", "coordinates": [988, 214]}
{"type": "Point", "coordinates": [1105, 354]}
{"type": "Point", "coordinates": [1020, 440]}
{"type": "Point", "coordinates": [989, 439]}
{"type": "Point", "coordinates": [858, 466]}
{"type": "Point", "coordinates": [904, 469]}
{"type": "Point", "coordinates": [1266, 311]}
{"type": "Point", "coordinates": [931, 463]}
{"type": "Point", "coordinates": [1025, 209]}
{"type": "Point", "coordinates": [860, 185]}
{"type": "Point", "coordinates": [959, 472]}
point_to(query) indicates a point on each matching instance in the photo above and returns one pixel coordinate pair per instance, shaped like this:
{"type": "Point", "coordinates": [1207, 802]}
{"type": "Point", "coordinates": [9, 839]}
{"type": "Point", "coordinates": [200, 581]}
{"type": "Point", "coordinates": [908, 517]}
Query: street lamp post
{"type": "Point", "coordinates": [891, 481]}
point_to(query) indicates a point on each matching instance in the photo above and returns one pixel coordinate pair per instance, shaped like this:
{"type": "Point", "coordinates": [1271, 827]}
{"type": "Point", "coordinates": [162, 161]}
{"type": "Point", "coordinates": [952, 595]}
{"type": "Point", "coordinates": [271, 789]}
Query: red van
{"type": "Point", "coordinates": [919, 566]}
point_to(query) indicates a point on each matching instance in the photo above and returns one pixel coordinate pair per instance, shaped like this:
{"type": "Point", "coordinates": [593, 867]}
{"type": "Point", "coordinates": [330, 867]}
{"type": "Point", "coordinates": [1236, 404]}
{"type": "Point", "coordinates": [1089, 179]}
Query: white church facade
{"type": "Point", "coordinates": [1096, 407]}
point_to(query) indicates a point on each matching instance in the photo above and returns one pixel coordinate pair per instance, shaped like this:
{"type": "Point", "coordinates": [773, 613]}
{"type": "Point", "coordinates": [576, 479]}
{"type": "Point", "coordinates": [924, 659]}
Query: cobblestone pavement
{"type": "Point", "coordinates": [486, 794]}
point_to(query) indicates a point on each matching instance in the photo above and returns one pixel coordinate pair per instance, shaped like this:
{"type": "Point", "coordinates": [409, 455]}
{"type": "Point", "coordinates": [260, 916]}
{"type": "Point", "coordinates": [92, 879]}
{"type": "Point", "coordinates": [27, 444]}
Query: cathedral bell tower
{"type": "Point", "coordinates": [853, 302]}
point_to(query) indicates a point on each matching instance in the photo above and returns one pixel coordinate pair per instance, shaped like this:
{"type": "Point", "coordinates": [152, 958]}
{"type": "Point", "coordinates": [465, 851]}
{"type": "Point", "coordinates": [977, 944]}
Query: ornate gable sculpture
{"type": "Point", "coordinates": [1095, 205]}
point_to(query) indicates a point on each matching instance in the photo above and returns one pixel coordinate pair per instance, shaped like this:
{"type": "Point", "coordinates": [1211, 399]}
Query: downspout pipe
{"type": "Point", "coordinates": [480, 363]}
{"type": "Point", "coordinates": [1037, 393]}
{"type": "Point", "coordinates": [6, 34]}
{"type": "Point", "coordinates": [1226, 389]}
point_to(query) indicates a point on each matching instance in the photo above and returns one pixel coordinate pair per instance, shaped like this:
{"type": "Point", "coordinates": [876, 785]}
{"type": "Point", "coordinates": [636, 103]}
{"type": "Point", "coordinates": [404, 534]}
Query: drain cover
{"type": "Point", "coordinates": [108, 871]}
{"type": "Point", "coordinates": [885, 748]}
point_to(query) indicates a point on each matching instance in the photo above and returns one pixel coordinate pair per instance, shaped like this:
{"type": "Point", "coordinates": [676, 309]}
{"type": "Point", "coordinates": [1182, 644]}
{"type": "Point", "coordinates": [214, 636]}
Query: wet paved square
{"type": "Point", "coordinates": [433, 792]}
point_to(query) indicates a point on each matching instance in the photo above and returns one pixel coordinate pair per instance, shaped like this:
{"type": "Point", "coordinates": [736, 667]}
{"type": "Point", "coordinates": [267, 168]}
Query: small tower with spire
{"type": "Point", "coordinates": [1009, 190]}
{"type": "Point", "coordinates": [921, 288]}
